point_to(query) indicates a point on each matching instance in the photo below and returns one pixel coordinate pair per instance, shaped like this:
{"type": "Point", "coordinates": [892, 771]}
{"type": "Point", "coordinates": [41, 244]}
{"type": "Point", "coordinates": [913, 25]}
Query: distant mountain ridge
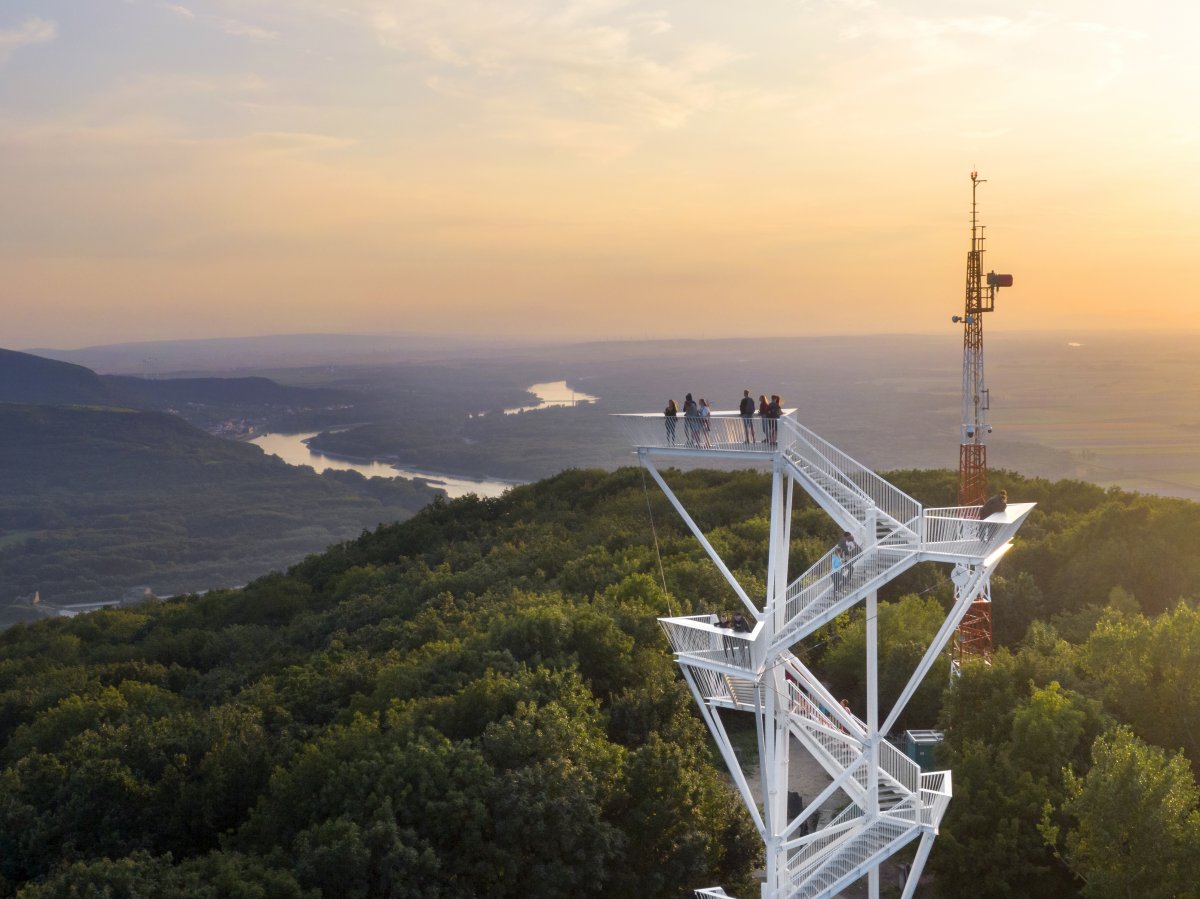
{"type": "Point", "coordinates": [25, 378]}
{"type": "Point", "coordinates": [232, 354]}
{"type": "Point", "coordinates": [98, 500]}
{"type": "Point", "coordinates": [34, 380]}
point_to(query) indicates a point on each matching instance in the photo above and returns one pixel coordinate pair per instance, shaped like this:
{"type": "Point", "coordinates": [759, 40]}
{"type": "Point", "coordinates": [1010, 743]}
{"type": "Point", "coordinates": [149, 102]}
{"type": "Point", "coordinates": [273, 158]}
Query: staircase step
{"type": "Point", "coordinates": [879, 838]}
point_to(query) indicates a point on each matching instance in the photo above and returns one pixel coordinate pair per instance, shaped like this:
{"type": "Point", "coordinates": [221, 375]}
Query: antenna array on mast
{"type": "Point", "coordinates": [974, 637]}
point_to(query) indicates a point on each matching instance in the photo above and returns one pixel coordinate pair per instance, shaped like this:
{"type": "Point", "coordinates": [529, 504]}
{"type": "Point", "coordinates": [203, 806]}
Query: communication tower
{"type": "Point", "coordinates": [974, 637]}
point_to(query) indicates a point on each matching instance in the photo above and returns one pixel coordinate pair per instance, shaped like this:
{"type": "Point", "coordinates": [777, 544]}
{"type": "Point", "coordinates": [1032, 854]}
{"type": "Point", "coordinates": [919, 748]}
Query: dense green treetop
{"type": "Point", "coordinates": [479, 702]}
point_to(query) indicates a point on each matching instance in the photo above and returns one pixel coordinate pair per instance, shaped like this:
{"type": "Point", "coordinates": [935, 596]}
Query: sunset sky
{"type": "Point", "coordinates": [590, 168]}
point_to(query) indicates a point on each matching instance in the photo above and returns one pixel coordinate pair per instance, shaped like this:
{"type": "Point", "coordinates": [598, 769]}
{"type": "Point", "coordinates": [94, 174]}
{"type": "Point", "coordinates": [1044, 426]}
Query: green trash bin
{"type": "Point", "coordinates": [919, 746]}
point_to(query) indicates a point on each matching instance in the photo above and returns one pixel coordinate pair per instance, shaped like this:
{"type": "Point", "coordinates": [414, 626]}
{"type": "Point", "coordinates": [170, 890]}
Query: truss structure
{"type": "Point", "coordinates": [885, 800]}
{"type": "Point", "coordinates": [974, 638]}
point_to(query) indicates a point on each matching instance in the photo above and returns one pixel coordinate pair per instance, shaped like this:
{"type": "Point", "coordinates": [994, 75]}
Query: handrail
{"type": "Point", "coordinates": [720, 431]}
{"type": "Point", "coordinates": [936, 792]}
{"type": "Point", "coordinates": [958, 530]}
{"type": "Point", "coordinates": [819, 846]}
{"type": "Point", "coordinates": [849, 472]}
{"type": "Point", "coordinates": [814, 692]}
{"type": "Point", "coordinates": [899, 767]}
{"type": "Point", "coordinates": [699, 637]}
{"type": "Point", "coordinates": [821, 584]}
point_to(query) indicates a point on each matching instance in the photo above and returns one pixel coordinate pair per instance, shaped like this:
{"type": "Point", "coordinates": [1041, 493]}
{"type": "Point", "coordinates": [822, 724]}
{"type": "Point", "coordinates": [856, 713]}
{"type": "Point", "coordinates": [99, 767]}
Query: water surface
{"type": "Point", "coordinates": [292, 449]}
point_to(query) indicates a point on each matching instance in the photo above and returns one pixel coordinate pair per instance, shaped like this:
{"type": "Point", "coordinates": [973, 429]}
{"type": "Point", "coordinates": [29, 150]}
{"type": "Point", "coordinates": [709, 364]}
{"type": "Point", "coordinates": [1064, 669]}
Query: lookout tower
{"type": "Point", "coordinates": [878, 800]}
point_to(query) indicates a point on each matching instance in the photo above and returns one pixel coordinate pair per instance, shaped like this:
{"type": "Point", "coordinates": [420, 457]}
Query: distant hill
{"type": "Point", "coordinates": [31, 379]}
{"type": "Point", "coordinates": [25, 378]}
{"type": "Point", "coordinates": [232, 354]}
{"type": "Point", "coordinates": [152, 393]}
{"type": "Point", "coordinates": [95, 501]}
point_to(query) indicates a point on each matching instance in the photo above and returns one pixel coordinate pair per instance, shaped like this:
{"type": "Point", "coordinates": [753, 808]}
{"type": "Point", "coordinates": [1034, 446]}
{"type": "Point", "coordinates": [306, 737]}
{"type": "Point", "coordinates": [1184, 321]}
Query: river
{"type": "Point", "coordinates": [553, 393]}
{"type": "Point", "coordinates": [293, 450]}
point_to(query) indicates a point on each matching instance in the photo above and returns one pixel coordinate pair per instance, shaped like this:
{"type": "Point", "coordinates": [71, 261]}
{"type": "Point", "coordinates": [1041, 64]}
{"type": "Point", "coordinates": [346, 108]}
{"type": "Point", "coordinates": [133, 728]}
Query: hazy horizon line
{"type": "Point", "coordinates": [506, 340]}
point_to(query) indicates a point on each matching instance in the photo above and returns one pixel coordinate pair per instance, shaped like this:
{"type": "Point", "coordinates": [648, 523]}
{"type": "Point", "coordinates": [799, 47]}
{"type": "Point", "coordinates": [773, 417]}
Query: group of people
{"type": "Point", "coordinates": [737, 651]}
{"type": "Point", "coordinates": [697, 419]}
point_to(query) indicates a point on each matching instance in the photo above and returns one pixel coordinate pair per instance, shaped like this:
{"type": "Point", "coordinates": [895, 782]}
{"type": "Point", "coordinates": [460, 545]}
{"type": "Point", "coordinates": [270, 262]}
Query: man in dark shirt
{"type": "Point", "coordinates": [747, 409]}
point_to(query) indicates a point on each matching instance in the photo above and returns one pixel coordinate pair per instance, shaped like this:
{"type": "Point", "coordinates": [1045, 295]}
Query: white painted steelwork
{"type": "Point", "coordinates": [888, 802]}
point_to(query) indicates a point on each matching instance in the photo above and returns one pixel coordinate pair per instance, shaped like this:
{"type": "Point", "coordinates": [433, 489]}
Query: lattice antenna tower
{"type": "Point", "coordinates": [973, 641]}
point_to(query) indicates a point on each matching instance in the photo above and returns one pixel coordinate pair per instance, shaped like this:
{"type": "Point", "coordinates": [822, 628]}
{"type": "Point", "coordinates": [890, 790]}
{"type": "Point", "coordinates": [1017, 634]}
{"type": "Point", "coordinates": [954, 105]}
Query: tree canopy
{"type": "Point", "coordinates": [479, 702]}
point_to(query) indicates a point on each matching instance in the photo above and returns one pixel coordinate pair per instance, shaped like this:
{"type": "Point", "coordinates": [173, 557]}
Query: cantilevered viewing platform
{"type": "Point", "coordinates": [885, 800]}
{"type": "Point", "coordinates": [726, 433]}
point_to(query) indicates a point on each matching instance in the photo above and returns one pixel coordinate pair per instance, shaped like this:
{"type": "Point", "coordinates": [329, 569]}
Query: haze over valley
{"type": "Point", "coordinates": [1115, 411]}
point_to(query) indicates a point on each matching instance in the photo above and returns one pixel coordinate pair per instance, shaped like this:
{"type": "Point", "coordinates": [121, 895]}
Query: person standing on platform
{"type": "Point", "coordinates": [691, 419]}
{"type": "Point", "coordinates": [774, 413]}
{"type": "Point", "coordinates": [705, 424]}
{"type": "Point", "coordinates": [764, 412]}
{"type": "Point", "coordinates": [671, 413]}
{"type": "Point", "coordinates": [747, 410]}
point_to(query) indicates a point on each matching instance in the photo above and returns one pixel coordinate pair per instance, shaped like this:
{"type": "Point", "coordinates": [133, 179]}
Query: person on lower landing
{"type": "Point", "coordinates": [997, 503]}
{"type": "Point", "coordinates": [742, 626]}
{"type": "Point", "coordinates": [746, 408]}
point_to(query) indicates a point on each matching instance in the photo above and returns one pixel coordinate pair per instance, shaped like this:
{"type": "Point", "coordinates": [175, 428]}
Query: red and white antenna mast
{"type": "Point", "coordinates": [974, 637]}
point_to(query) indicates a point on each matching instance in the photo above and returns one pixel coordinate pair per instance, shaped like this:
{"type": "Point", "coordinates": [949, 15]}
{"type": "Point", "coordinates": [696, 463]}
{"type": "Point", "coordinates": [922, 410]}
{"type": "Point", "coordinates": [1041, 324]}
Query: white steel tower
{"type": "Point", "coordinates": [885, 801]}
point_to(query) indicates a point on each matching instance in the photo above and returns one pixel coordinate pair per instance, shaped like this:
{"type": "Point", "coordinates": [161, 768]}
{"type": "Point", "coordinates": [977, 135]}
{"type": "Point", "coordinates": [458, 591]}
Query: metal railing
{"type": "Point", "coordinates": [845, 753]}
{"type": "Point", "coordinates": [699, 636]}
{"type": "Point", "coordinates": [806, 707]}
{"type": "Point", "coordinates": [720, 431]}
{"type": "Point", "coordinates": [896, 770]}
{"type": "Point", "coordinates": [957, 530]}
{"type": "Point", "coordinates": [845, 860]}
{"type": "Point", "coordinates": [907, 810]}
{"type": "Point", "coordinates": [815, 695]}
{"type": "Point", "coordinates": [936, 791]}
{"type": "Point", "coordinates": [820, 588]}
{"type": "Point", "coordinates": [712, 684]}
{"type": "Point", "coordinates": [899, 767]}
{"type": "Point", "coordinates": [840, 469]}
{"type": "Point", "coordinates": [820, 846]}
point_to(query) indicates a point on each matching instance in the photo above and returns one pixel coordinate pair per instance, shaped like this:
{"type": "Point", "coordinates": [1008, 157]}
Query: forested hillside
{"type": "Point", "coordinates": [478, 702]}
{"type": "Point", "coordinates": [95, 501]}
{"type": "Point", "coordinates": [27, 379]}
